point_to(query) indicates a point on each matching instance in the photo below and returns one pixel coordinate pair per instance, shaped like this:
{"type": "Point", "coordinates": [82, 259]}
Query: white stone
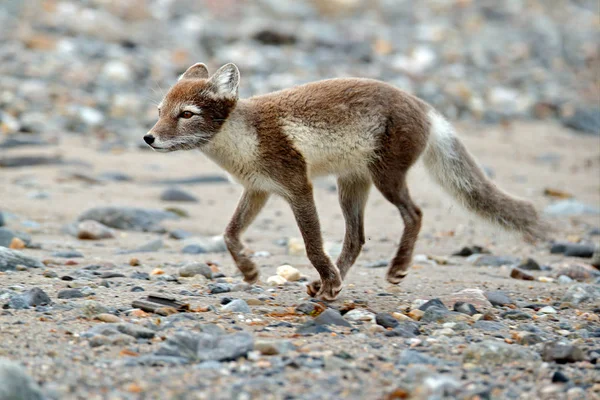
{"type": "Point", "coordinates": [289, 273]}
{"type": "Point", "coordinates": [360, 315]}
{"type": "Point", "coordinates": [276, 280]}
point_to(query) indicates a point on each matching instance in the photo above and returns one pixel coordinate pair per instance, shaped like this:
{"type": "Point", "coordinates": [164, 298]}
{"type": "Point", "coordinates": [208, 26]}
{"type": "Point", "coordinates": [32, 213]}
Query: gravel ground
{"type": "Point", "coordinates": [114, 282]}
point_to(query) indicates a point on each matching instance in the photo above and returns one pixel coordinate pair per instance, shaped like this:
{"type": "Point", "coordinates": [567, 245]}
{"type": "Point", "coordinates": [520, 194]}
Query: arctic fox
{"type": "Point", "coordinates": [363, 131]}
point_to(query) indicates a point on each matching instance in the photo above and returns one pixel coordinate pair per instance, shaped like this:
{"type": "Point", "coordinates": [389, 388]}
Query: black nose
{"type": "Point", "coordinates": [149, 139]}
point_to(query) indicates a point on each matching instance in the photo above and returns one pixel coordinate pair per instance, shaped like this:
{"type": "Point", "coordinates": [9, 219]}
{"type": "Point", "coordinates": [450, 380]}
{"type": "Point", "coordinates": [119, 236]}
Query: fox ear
{"type": "Point", "coordinates": [226, 80]}
{"type": "Point", "coordinates": [196, 71]}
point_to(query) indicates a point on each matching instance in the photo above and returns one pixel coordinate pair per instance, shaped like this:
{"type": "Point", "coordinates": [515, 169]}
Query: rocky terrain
{"type": "Point", "coordinates": [114, 279]}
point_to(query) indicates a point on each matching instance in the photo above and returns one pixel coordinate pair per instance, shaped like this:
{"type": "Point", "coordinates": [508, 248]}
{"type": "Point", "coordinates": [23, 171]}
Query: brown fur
{"type": "Point", "coordinates": [361, 130]}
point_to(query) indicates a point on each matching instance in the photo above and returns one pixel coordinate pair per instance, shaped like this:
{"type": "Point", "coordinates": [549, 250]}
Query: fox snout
{"type": "Point", "coordinates": [149, 139]}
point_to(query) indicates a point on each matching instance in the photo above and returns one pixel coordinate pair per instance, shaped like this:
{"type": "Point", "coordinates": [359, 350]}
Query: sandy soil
{"type": "Point", "coordinates": [63, 363]}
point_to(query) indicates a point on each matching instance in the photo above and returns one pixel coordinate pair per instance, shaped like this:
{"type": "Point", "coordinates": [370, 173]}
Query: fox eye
{"type": "Point", "coordinates": [186, 114]}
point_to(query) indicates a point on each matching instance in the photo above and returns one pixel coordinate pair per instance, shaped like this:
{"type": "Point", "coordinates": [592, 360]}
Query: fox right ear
{"type": "Point", "coordinates": [196, 71]}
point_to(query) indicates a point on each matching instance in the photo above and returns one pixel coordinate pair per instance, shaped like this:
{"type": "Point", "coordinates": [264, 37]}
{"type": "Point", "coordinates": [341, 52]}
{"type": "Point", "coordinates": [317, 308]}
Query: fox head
{"type": "Point", "coordinates": [194, 109]}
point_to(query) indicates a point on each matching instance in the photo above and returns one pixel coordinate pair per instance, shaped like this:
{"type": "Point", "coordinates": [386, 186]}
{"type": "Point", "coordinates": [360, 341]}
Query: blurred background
{"type": "Point", "coordinates": [98, 67]}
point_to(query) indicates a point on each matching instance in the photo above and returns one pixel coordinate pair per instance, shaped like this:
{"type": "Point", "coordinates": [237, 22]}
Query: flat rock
{"type": "Point", "coordinates": [442, 315]}
{"type": "Point", "coordinates": [571, 207]}
{"type": "Point", "coordinates": [562, 352]}
{"type": "Point", "coordinates": [16, 384]}
{"type": "Point", "coordinates": [175, 194]}
{"type": "Point", "coordinates": [10, 259]}
{"type": "Point", "coordinates": [128, 218]}
{"type": "Point", "coordinates": [386, 320]}
{"type": "Point", "coordinates": [31, 298]}
{"type": "Point", "coordinates": [489, 326]}
{"type": "Point", "coordinates": [67, 254]}
{"type": "Point", "coordinates": [136, 331]}
{"type": "Point", "coordinates": [319, 324]}
{"type": "Point", "coordinates": [515, 315]}
{"type": "Point", "coordinates": [476, 297]}
{"type": "Point", "coordinates": [195, 268]}
{"type": "Point", "coordinates": [93, 230]}
{"type": "Point", "coordinates": [584, 119]}
{"type": "Point", "coordinates": [580, 293]}
{"type": "Point", "coordinates": [432, 303]}
{"type": "Point", "coordinates": [529, 265]}
{"type": "Point", "coordinates": [410, 357]}
{"type": "Point", "coordinates": [70, 294]}
{"type": "Point", "coordinates": [216, 288]}
{"type": "Point", "coordinates": [498, 298]}
{"type": "Point", "coordinates": [192, 180]}
{"type": "Point", "coordinates": [237, 306]}
{"type": "Point", "coordinates": [578, 272]}
{"type": "Point", "coordinates": [29, 161]}
{"type": "Point", "coordinates": [465, 308]}
{"type": "Point", "coordinates": [488, 260]}
{"type": "Point", "coordinates": [404, 329]}
{"type": "Point", "coordinates": [7, 236]}
{"type": "Point", "coordinates": [152, 246]}
{"type": "Point", "coordinates": [202, 245]}
{"type": "Point", "coordinates": [199, 347]}
{"type": "Point", "coordinates": [491, 352]}
{"type": "Point", "coordinates": [358, 314]}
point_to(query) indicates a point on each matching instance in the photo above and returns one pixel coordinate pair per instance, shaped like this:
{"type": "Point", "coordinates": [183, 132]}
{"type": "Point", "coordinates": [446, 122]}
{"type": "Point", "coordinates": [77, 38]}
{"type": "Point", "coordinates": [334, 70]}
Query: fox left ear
{"type": "Point", "coordinates": [226, 80]}
{"type": "Point", "coordinates": [196, 71]}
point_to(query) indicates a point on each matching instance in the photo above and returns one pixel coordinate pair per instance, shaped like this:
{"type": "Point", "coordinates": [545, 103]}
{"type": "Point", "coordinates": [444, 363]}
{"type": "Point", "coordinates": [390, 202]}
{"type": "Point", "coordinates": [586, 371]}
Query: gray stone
{"type": "Point", "coordinates": [498, 298]}
{"type": "Point", "coordinates": [29, 161]}
{"type": "Point", "coordinates": [307, 308]}
{"type": "Point", "coordinates": [2, 223]}
{"type": "Point", "coordinates": [273, 347]}
{"type": "Point", "coordinates": [93, 230]}
{"type": "Point", "coordinates": [378, 264]}
{"type": "Point", "coordinates": [149, 247]}
{"type": "Point", "coordinates": [16, 384]}
{"type": "Point", "coordinates": [202, 245]}
{"type": "Point", "coordinates": [386, 320]}
{"type": "Point", "coordinates": [179, 234]}
{"type": "Point", "coordinates": [68, 254]}
{"type": "Point", "coordinates": [489, 326]}
{"type": "Point", "coordinates": [194, 347]}
{"type": "Point", "coordinates": [322, 321]}
{"type": "Point", "coordinates": [331, 317]}
{"type": "Point", "coordinates": [237, 306]}
{"type": "Point", "coordinates": [491, 352]}
{"type": "Point", "coordinates": [442, 315]}
{"type": "Point", "coordinates": [216, 288]}
{"type": "Point", "coordinates": [136, 331]}
{"type": "Point", "coordinates": [411, 357]}
{"type": "Point", "coordinates": [128, 218]}
{"type": "Point", "coordinates": [571, 207]}
{"type": "Point", "coordinates": [70, 294]}
{"type": "Point", "coordinates": [585, 119]}
{"type": "Point", "coordinates": [174, 194]}
{"type": "Point", "coordinates": [465, 308]}
{"type": "Point", "coordinates": [194, 180]}
{"type": "Point", "coordinates": [32, 298]}
{"type": "Point", "coordinates": [115, 177]}
{"type": "Point", "coordinates": [432, 303]}
{"type": "Point", "coordinates": [195, 268]}
{"type": "Point", "coordinates": [489, 260]}
{"type": "Point", "coordinates": [7, 235]}
{"type": "Point", "coordinates": [529, 265]}
{"type": "Point", "coordinates": [562, 352]}
{"type": "Point", "coordinates": [10, 259]}
{"type": "Point", "coordinates": [515, 315]}
{"type": "Point", "coordinates": [582, 293]}
{"type": "Point", "coordinates": [405, 329]}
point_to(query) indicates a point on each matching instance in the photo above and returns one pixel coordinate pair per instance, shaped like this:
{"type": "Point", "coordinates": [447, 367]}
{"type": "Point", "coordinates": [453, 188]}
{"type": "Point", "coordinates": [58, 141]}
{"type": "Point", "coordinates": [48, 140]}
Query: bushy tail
{"type": "Point", "coordinates": [453, 167]}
